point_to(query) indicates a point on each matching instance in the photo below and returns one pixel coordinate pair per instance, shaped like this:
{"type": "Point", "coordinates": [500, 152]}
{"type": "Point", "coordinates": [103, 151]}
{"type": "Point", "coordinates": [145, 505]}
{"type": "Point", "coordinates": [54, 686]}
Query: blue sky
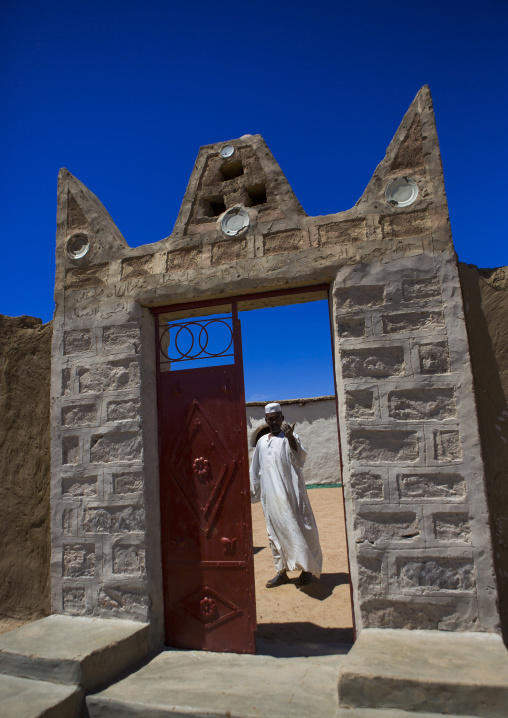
{"type": "Point", "coordinates": [124, 93]}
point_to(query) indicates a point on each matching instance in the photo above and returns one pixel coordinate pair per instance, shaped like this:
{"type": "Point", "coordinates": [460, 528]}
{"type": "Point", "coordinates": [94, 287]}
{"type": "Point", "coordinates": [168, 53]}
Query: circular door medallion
{"type": "Point", "coordinates": [234, 221]}
{"type": "Point", "coordinates": [401, 192]}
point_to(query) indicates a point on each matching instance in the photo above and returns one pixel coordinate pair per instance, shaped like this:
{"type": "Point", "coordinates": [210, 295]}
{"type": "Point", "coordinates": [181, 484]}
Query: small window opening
{"type": "Point", "coordinates": [256, 194]}
{"type": "Point", "coordinates": [231, 170]}
{"type": "Point", "coordinates": [213, 206]}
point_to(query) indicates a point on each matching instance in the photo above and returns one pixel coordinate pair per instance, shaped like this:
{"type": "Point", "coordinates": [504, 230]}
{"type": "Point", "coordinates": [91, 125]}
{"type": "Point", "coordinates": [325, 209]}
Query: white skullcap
{"type": "Point", "coordinates": [272, 408]}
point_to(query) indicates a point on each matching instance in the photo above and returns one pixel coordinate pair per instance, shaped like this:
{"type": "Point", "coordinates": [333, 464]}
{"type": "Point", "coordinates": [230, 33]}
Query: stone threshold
{"type": "Point", "coordinates": [462, 674]}
{"type": "Point", "coordinates": [73, 650]}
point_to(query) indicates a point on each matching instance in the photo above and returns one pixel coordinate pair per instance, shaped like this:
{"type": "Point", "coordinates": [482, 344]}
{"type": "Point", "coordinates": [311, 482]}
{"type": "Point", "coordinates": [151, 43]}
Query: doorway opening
{"type": "Point", "coordinates": [288, 359]}
{"type": "Point", "coordinates": [209, 548]}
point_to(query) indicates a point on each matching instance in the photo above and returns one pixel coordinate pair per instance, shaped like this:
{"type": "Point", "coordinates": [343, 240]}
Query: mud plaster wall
{"type": "Point", "coordinates": [420, 550]}
{"type": "Point", "coordinates": [316, 425]}
{"type": "Point", "coordinates": [25, 352]}
{"type": "Point", "coordinates": [485, 294]}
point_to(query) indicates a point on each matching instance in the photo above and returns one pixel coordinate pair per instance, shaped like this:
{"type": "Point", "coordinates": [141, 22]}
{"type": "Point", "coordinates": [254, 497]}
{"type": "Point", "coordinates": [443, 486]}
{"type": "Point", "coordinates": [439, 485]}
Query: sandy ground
{"type": "Point", "coordinates": [315, 618]}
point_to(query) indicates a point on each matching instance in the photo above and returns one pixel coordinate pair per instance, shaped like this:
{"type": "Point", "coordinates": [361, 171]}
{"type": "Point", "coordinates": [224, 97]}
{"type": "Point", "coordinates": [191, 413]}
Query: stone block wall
{"type": "Point", "coordinates": [418, 525]}
{"type": "Point", "coordinates": [103, 422]}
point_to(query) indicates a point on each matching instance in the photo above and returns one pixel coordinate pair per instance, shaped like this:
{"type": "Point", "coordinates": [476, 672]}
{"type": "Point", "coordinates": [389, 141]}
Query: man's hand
{"type": "Point", "coordinates": [287, 429]}
{"type": "Point", "coordinates": [288, 433]}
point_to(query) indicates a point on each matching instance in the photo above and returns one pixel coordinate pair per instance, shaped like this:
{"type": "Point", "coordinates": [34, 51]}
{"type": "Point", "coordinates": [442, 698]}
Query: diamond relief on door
{"type": "Point", "coordinates": [209, 607]}
{"type": "Point", "coordinates": [203, 481]}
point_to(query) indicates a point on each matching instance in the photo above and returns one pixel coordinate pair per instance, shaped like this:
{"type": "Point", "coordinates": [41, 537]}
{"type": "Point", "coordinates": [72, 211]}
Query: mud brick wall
{"type": "Point", "coordinates": [485, 294]}
{"type": "Point", "coordinates": [418, 523]}
{"type": "Point", "coordinates": [25, 354]}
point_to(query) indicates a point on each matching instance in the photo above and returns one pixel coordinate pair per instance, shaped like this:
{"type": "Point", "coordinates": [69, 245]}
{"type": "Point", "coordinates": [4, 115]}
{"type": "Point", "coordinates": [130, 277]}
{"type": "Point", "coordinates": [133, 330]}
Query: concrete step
{"type": "Point", "coordinates": [195, 683]}
{"type": "Point", "coordinates": [434, 671]}
{"type": "Point", "coordinates": [391, 713]}
{"type": "Point", "coordinates": [73, 650]}
{"type": "Point", "coordinates": [26, 698]}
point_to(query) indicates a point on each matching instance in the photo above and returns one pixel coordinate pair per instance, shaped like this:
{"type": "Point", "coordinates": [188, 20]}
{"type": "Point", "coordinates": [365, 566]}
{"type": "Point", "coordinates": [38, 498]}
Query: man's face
{"type": "Point", "coordinates": [274, 421]}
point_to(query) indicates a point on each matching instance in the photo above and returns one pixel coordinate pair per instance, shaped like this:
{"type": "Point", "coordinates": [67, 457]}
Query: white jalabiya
{"type": "Point", "coordinates": [276, 479]}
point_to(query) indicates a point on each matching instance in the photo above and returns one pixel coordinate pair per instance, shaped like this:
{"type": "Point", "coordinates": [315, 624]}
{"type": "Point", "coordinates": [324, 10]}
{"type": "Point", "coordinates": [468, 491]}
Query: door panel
{"type": "Point", "coordinates": [205, 510]}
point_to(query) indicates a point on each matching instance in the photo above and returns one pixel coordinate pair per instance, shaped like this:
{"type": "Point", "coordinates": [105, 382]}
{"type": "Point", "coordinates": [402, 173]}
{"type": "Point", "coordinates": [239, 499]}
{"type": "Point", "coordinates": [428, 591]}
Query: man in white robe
{"type": "Point", "coordinates": [276, 479]}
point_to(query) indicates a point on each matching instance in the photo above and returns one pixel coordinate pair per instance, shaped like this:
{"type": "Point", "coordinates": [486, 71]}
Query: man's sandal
{"type": "Point", "coordinates": [278, 580]}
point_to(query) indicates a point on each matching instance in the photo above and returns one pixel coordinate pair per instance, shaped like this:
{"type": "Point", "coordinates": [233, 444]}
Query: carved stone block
{"type": "Point", "coordinates": [354, 230]}
{"type": "Point", "coordinates": [412, 322]}
{"type": "Point", "coordinates": [418, 289]}
{"type": "Point", "coordinates": [79, 415]}
{"type": "Point", "coordinates": [70, 450]}
{"type": "Point", "coordinates": [447, 445]}
{"type": "Point", "coordinates": [183, 259]}
{"type": "Point", "coordinates": [351, 328]}
{"type": "Point", "coordinates": [74, 601]}
{"type": "Point", "coordinates": [434, 358]}
{"type": "Point", "coordinates": [79, 561]}
{"type": "Point", "coordinates": [110, 376]}
{"type": "Point", "coordinates": [229, 251]}
{"type": "Point", "coordinates": [113, 519]}
{"type": "Point", "coordinates": [118, 336]}
{"type": "Point", "coordinates": [452, 526]}
{"type": "Point", "coordinates": [436, 574]}
{"type": "Point", "coordinates": [279, 242]}
{"type": "Point", "coordinates": [360, 403]}
{"type": "Point", "coordinates": [437, 485]}
{"type": "Point", "coordinates": [374, 362]}
{"type": "Point", "coordinates": [367, 486]}
{"type": "Point", "coordinates": [372, 445]}
{"type": "Point", "coordinates": [74, 486]}
{"type": "Point", "coordinates": [123, 410]}
{"type": "Point", "coordinates": [417, 404]}
{"type": "Point", "coordinates": [369, 574]}
{"type": "Point", "coordinates": [130, 483]}
{"type": "Point", "coordinates": [122, 599]}
{"type": "Point", "coordinates": [355, 297]}
{"type": "Point", "coordinates": [116, 446]}
{"type": "Point", "coordinates": [406, 224]}
{"type": "Point", "coordinates": [137, 267]}
{"type": "Point", "coordinates": [385, 526]}
{"type": "Point", "coordinates": [77, 341]}
{"type": "Point", "coordinates": [85, 278]}
{"type": "Point", "coordinates": [129, 559]}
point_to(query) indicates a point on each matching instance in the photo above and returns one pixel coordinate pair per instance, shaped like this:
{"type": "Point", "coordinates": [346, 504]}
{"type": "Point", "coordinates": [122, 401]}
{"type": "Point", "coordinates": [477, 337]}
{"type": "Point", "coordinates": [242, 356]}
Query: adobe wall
{"type": "Point", "coordinates": [25, 352]}
{"type": "Point", "coordinates": [419, 543]}
{"type": "Point", "coordinates": [486, 305]}
{"type": "Point", "coordinates": [316, 425]}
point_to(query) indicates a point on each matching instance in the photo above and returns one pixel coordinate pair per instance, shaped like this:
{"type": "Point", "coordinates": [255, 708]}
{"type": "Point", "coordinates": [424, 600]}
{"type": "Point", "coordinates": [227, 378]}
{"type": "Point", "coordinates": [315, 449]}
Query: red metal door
{"type": "Point", "coordinates": [207, 554]}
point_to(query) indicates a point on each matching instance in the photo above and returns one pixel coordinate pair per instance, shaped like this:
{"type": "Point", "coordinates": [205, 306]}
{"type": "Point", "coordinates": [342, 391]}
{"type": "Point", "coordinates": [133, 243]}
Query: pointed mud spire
{"type": "Point", "coordinates": [413, 158]}
{"type": "Point", "coordinates": [86, 234]}
{"type": "Point", "coordinates": [240, 172]}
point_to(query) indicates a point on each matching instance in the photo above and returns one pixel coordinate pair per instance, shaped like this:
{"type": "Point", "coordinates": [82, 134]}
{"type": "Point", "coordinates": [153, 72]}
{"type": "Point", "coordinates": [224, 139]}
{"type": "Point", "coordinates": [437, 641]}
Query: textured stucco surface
{"type": "Point", "coordinates": [25, 352]}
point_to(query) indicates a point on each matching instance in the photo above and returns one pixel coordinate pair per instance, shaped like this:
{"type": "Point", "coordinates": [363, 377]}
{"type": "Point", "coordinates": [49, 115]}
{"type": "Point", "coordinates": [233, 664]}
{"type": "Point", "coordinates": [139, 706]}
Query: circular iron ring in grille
{"type": "Point", "coordinates": [201, 352]}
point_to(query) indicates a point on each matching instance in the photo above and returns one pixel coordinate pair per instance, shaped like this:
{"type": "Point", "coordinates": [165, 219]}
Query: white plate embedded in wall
{"type": "Point", "coordinates": [401, 192]}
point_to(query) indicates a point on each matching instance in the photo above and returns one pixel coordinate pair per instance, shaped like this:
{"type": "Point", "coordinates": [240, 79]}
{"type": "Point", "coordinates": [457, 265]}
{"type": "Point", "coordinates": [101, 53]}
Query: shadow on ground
{"type": "Point", "coordinates": [284, 640]}
{"type": "Point", "coordinates": [323, 588]}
